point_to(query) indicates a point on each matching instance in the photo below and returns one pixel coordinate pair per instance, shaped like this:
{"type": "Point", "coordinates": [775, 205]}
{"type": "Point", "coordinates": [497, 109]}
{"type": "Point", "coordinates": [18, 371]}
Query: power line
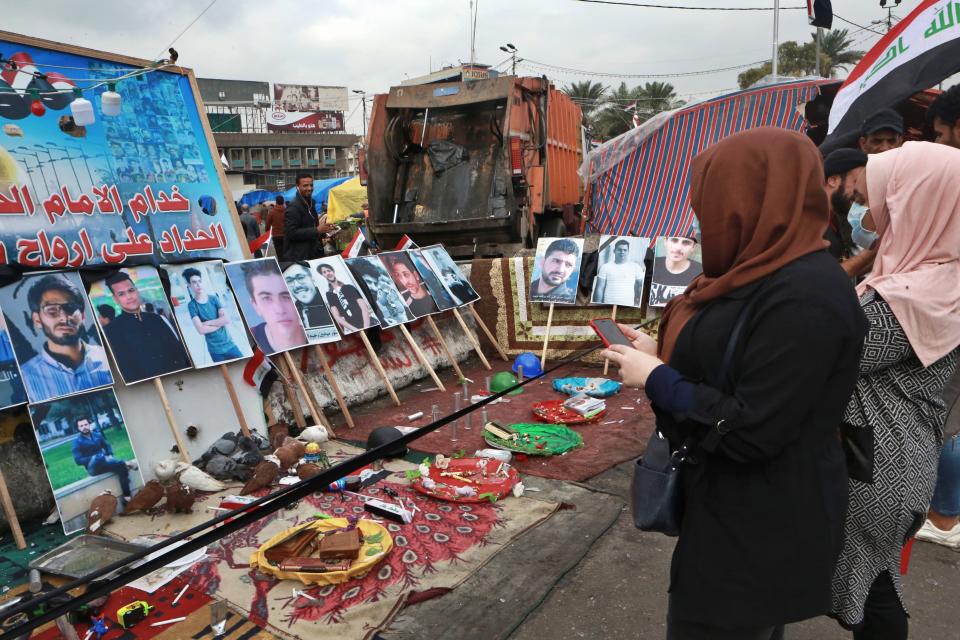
{"type": "Point", "coordinates": [672, 6]}
{"type": "Point", "coordinates": [604, 74]}
{"type": "Point", "coordinates": [842, 19]}
{"type": "Point", "coordinates": [185, 29]}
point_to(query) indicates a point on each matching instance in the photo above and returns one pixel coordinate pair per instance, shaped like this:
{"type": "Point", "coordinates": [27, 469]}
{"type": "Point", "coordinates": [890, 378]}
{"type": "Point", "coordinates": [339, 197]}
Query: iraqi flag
{"type": "Point", "coordinates": [356, 246]}
{"type": "Point", "coordinates": [921, 51]}
{"type": "Point", "coordinates": [406, 243]}
{"type": "Point", "coordinates": [260, 373]}
{"type": "Point", "coordinates": [261, 241]}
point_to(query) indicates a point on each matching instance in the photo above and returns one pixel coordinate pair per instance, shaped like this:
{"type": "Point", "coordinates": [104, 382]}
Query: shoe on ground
{"type": "Point", "coordinates": [929, 533]}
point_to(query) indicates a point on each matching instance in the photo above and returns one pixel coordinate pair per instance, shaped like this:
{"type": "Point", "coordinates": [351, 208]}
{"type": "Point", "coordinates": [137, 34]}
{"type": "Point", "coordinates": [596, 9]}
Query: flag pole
{"type": "Point", "coordinates": [776, 36]}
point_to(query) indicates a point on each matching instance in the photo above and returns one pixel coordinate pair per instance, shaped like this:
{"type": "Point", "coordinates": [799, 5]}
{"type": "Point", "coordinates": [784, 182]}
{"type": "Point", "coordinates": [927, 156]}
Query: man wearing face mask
{"type": "Point", "coordinates": [849, 242]}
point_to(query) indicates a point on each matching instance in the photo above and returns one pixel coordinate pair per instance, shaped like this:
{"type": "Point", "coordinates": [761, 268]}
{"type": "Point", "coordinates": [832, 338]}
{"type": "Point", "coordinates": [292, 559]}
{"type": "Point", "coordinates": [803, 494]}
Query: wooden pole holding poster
{"type": "Point", "coordinates": [244, 427]}
{"type": "Point", "coordinates": [446, 348]}
{"type": "Point", "coordinates": [422, 357]}
{"type": "Point", "coordinates": [328, 373]}
{"type": "Point", "coordinates": [314, 410]}
{"type": "Point", "coordinates": [291, 395]}
{"type": "Point", "coordinates": [606, 363]}
{"type": "Point", "coordinates": [11, 514]}
{"type": "Point", "coordinates": [472, 338]}
{"type": "Point", "coordinates": [379, 367]}
{"type": "Point", "coordinates": [171, 421]}
{"type": "Point", "coordinates": [546, 338]}
{"type": "Point", "coordinates": [486, 331]}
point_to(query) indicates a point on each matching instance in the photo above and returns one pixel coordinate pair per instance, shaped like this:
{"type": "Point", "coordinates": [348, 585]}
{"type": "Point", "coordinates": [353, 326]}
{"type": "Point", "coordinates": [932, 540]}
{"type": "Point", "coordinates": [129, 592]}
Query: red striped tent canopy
{"type": "Point", "coordinates": [638, 182]}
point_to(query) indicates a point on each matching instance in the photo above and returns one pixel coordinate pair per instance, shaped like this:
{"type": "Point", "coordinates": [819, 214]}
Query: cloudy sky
{"type": "Point", "coordinates": [373, 44]}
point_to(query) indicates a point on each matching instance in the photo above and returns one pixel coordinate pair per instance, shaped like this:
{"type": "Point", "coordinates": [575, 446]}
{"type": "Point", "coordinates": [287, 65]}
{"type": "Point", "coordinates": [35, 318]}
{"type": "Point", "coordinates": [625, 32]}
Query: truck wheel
{"type": "Point", "coordinates": [551, 227]}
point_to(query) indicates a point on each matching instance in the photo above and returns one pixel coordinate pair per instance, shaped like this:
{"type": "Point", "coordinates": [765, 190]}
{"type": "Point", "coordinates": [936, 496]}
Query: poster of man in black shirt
{"type": "Point", "coordinates": [309, 302]}
{"type": "Point", "coordinates": [676, 263]}
{"type": "Point", "coordinates": [347, 305]}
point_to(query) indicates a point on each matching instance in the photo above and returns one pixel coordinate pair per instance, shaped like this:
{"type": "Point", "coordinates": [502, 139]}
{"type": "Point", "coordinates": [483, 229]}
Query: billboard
{"type": "Point", "coordinates": [308, 98]}
{"type": "Point", "coordinates": [139, 187]}
{"type": "Point", "coordinates": [316, 122]}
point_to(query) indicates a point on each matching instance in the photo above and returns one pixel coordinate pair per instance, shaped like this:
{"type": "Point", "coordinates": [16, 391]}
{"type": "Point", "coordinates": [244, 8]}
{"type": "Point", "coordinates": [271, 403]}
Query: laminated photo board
{"type": "Point", "coordinates": [267, 305]}
{"type": "Point", "coordinates": [380, 290]}
{"type": "Point", "coordinates": [137, 321]}
{"type": "Point", "coordinates": [54, 336]}
{"type": "Point", "coordinates": [86, 450]}
{"type": "Point", "coordinates": [459, 288]}
{"type": "Point", "coordinates": [310, 304]}
{"type": "Point", "coordinates": [676, 263]}
{"type": "Point", "coordinates": [556, 270]}
{"type": "Point", "coordinates": [348, 306]}
{"type": "Point", "coordinates": [620, 271]}
{"type": "Point", "coordinates": [12, 392]}
{"type": "Point", "coordinates": [414, 292]}
{"type": "Point", "coordinates": [432, 280]}
{"type": "Point", "coordinates": [207, 314]}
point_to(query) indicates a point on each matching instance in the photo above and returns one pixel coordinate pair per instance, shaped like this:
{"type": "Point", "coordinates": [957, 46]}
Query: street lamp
{"type": "Point", "coordinates": [363, 99]}
{"type": "Point", "coordinates": [512, 50]}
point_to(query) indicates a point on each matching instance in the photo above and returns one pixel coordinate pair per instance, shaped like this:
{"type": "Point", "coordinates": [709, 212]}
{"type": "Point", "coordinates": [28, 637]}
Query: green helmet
{"type": "Point", "coordinates": [504, 380]}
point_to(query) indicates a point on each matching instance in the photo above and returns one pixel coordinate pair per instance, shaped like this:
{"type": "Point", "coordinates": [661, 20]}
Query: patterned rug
{"type": "Point", "coordinates": [436, 552]}
{"type": "Point", "coordinates": [521, 325]}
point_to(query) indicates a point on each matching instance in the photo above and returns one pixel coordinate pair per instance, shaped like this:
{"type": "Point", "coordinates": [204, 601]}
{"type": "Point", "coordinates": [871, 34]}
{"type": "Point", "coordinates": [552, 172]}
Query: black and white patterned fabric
{"type": "Point", "coordinates": [903, 403]}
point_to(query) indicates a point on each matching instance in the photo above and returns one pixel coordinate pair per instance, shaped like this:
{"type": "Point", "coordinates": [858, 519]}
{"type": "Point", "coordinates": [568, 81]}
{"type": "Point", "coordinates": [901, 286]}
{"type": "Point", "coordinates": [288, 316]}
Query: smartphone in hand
{"type": "Point", "coordinates": [609, 332]}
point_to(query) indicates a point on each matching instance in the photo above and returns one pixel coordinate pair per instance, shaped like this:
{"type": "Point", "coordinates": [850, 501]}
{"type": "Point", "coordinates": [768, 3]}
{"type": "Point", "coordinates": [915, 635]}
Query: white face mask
{"type": "Point", "coordinates": [863, 238]}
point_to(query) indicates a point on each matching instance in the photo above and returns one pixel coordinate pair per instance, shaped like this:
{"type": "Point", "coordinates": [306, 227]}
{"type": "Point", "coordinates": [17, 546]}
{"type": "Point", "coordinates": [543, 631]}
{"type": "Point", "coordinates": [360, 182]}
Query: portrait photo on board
{"type": "Point", "coordinates": [431, 279]}
{"type": "Point", "coordinates": [620, 271]}
{"type": "Point", "coordinates": [413, 290]}
{"type": "Point", "coordinates": [12, 392]}
{"type": "Point", "coordinates": [676, 263]}
{"type": "Point", "coordinates": [459, 288]}
{"type": "Point", "coordinates": [347, 304]}
{"type": "Point", "coordinates": [267, 305]}
{"type": "Point", "coordinates": [310, 305]}
{"type": "Point", "coordinates": [207, 314]}
{"type": "Point", "coordinates": [380, 290]}
{"type": "Point", "coordinates": [556, 270]}
{"type": "Point", "coordinates": [137, 321]}
{"type": "Point", "coordinates": [86, 450]}
{"type": "Point", "coordinates": [54, 336]}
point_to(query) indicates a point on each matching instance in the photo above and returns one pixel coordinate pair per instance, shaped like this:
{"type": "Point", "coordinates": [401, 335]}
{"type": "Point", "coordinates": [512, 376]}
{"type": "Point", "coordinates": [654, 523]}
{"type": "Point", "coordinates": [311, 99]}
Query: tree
{"type": "Point", "coordinates": [589, 96]}
{"type": "Point", "coordinates": [623, 103]}
{"type": "Point", "coordinates": [801, 60]}
{"type": "Point", "coordinates": [835, 48]}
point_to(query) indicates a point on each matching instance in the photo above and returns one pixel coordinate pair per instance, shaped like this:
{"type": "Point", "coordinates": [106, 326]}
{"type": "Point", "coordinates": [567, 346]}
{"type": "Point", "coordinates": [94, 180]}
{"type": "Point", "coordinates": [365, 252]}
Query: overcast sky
{"type": "Point", "coordinates": [373, 44]}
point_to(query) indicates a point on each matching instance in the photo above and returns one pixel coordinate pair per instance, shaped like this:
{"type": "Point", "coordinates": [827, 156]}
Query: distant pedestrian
{"type": "Point", "coordinates": [881, 131]}
{"type": "Point", "coordinates": [275, 224]}
{"type": "Point", "coordinates": [250, 227]}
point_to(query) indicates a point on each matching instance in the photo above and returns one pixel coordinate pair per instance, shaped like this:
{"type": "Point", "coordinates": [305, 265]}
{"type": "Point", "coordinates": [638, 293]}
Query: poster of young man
{"type": "Point", "coordinates": [346, 302]}
{"type": "Point", "coordinates": [86, 450]}
{"type": "Point", "coordinates": [620, 271]}
{"type": "Point", "coordinates": [380, 290]}
{"type": "Point", "coordinates": [11, 386]}
{"type": "Point", "coordinates": [309, 302]}
{"type": "Point", "coordinates": [413, 290]}
{"type": "Point", "coordinates": [441, 296]}
{"type": "Point", "coordinates": [207, 314]}
{"type": "Point", "coordinates": [556, 270]}
{"type": "Point", "coordinates": [676, 263]}
{"type": "Point", "coordinates": [457, 286]}
{"type": "Point", "coordinates": [267, 305]}
{"type": "Point", "coordinates": [54, 336]}
{"type": "Point", "coordinates": [142, 335]}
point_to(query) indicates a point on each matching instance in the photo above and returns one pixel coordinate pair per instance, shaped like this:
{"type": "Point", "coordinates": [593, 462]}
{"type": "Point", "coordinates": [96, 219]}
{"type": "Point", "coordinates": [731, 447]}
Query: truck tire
{"type": "Point", "coordinates": [549, 226]}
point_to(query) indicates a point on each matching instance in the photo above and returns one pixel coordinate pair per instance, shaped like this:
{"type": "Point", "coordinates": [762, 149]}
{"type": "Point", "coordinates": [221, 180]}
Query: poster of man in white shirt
{"type": "Point", "coordinates": [620, 271]}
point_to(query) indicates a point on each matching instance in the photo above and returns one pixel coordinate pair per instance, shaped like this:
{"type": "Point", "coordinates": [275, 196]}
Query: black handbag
{"type": "Point", "coordinates": [655, 495]}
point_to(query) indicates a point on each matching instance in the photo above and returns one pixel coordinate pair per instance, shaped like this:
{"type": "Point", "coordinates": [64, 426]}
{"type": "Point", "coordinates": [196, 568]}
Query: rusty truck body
{"type": "Point", "coordinates": [484, 166]}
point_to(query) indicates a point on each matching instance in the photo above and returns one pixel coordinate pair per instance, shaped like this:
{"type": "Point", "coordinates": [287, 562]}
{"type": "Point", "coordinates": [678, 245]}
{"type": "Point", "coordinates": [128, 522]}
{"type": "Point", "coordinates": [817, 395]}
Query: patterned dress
{"type": "Point", "coordinates": [903, 403]}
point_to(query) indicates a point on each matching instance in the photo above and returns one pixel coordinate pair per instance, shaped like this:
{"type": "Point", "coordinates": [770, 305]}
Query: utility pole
{"type": "Point", "coordinates": [512, 50]}
{"type": "Point", "coordinates": [363, 101]}
{"type": "Point", "coordinates": [776, 36]}
{"type": "Point", "coordinates": [819, 31]}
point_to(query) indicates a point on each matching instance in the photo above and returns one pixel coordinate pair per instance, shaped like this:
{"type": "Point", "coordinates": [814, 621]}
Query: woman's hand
{"type": "Point", "coordinates": [635, 366]}
{"type": "Point", "coordinates": [641, 341]}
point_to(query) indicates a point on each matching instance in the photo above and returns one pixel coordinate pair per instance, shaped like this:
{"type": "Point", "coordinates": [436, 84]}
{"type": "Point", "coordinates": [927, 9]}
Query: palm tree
{"type": "Point", "coordinates": [589, 96]}
{"type": "Point", "coordinates": [614, 118]}
{"type": "Point", "coordinates": [655, 97]}
{"type": "Point", "coordinates": [836, 52]}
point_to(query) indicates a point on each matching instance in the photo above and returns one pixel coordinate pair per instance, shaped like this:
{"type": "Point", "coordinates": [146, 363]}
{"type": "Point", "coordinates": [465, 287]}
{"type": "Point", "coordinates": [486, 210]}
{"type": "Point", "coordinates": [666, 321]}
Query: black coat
{"type": "Point", "coordinates": [301, 238]}
{"type": "Point", "coordinates": [763, 513]}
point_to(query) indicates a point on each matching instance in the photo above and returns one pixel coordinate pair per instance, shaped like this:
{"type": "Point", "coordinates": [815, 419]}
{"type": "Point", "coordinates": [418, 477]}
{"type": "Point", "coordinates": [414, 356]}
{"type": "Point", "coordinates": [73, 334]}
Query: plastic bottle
{"type": "Point", "coordinates": [349, 483]}
{"type": "Point", "coordinates": [35, 584]}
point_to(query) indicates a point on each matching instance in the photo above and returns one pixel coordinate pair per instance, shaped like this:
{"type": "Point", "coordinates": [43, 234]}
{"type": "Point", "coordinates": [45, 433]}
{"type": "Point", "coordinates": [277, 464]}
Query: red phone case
{"type": "Point", "coordinates": [599, 332]}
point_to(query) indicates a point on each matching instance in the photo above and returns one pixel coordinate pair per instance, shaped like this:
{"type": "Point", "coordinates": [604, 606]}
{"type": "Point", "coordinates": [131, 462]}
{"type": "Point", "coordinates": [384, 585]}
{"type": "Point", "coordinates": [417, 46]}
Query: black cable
{"type": "Point", "coordinates": [240, 518]}
{"type": "Point", "coordinates": [842, 19]}
{"type": "Point", "coordinates": [673, 6]}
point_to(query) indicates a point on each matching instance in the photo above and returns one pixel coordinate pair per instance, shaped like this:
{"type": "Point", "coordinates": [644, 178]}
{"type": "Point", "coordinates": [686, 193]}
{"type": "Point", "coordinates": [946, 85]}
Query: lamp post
{"type": "Point", "coordinates": [512, 50]}
{"type": "Point", "coordinates": [363, 100]}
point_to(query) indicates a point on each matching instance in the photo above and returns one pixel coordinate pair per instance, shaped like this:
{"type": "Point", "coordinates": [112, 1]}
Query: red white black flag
{"type": "Point", "coordinates": [356, 246]}
{"type": "Point", "coordinates": [406, 242]}
{"type": "Point", "coordinates": [921, 51]}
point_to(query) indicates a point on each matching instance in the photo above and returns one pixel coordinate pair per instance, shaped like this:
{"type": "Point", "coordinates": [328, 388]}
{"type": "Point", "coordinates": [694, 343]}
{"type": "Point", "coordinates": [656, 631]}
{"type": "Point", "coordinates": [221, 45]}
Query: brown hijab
{"type": "Point", "coordinates": [760, 201]}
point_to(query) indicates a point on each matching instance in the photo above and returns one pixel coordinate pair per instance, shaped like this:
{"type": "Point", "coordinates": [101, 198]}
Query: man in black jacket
{"type": "Point", "coordinates": [302, 231]}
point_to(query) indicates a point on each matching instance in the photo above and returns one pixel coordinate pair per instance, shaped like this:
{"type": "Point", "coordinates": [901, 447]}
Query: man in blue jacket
{"type": "Point", "coordinates": [92, 452]}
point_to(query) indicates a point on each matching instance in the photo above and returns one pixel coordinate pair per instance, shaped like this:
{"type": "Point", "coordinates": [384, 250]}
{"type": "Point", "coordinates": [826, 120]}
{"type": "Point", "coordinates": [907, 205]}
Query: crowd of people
{"type": "Point", "coordinates": [823, 433]}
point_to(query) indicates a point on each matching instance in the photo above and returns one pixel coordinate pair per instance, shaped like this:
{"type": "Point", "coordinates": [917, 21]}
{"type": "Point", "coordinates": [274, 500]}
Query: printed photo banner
{"type": "Point", "coordinates": [432, 280]}
{"type": "Point", "coordinates": [207, 314]}
{"type": "Point", "coordinates": [556, 271]}
{"type": "Point", "coordinates": [310, 305]}
{"type": "Point", "coordinates": [414, 292]}
{"type": "Point", "coordinates": [676, 263]}
{"type": "Point", "coordinates": [350, 309]}
{"type": "Point", "coordinates": [459, 288]}
{"type": "Point", "coordinates": [620, 271]}
{"type": "Point", "coordinates": [54, 336]}
{"type": "Point", "coordinates": [379, 289]}
{"type": "Point", "coordinates": [137, 322]}
{"type": "Point", "coordinates": [142, 187]}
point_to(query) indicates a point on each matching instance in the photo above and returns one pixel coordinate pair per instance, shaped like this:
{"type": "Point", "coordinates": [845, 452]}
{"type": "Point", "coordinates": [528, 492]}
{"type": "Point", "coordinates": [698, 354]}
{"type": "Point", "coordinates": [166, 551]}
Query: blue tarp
{"type": "Point", "coordinates": [321, 188]}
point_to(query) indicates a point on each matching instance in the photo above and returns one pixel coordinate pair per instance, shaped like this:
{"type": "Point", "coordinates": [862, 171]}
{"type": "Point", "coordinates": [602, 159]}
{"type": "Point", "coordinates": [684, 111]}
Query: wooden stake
{"type": "Point", "coordinates": [486, 330]}
{"type": "Point", "coordinates": [546, 338]}
{"type": "Point", "coordinates": [333, 385]}
{"type": "Point", "coordinates": [606, 363]}
{"type": "Point", "coordinates": [235, 400]}
{"type": "Point", "coordinates": [379, 367]}
{"type": "Point", "coordinates": [171, 421]}
{"type": "Point", "coordinates": [446, 348]}
{"type": "Point", "coordinates": [472, 338]}
{"type": "Point", "coordinates": [422, 357]}
{"type": "Point", "coordinates": [291, 395]}
{"type": "Point", "coordinates": [11, 514]}
{"type": "Point", "coordinates": [314, 409]}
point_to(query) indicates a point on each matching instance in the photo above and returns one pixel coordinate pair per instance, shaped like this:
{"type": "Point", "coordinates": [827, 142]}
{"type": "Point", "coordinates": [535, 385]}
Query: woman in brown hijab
{"type": "Point", "coordinates": [764, 500]}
